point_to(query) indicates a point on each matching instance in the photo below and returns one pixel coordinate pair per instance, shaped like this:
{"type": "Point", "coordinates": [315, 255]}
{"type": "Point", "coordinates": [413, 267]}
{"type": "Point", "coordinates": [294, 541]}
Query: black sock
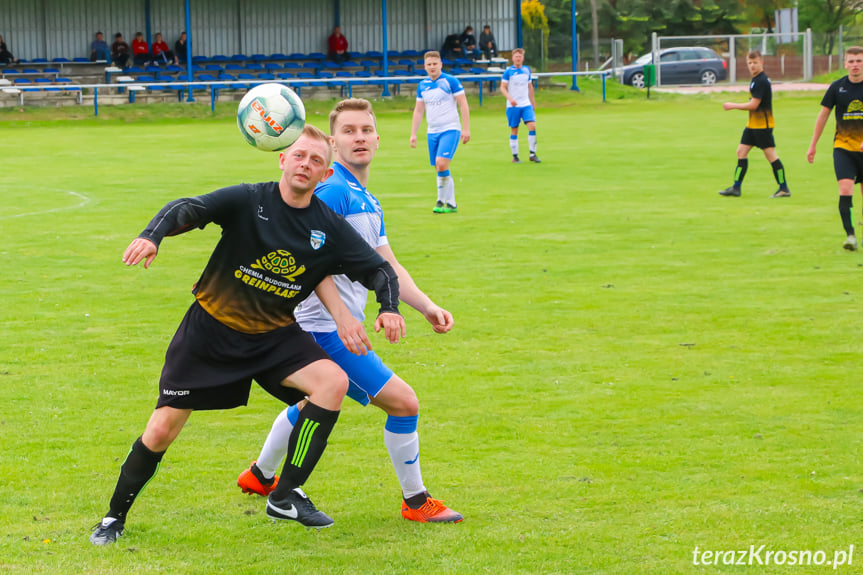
{"type": "Point", "coordinates": [740, 172]}
{"type": "Point", "coordinates": [140, 466]}
{"type": "Point", "coordinates": [307, 444]}
{"type": "Point", "coordinates": [845, 206]}
{"type": "Point", "coordinates": [779, 174]}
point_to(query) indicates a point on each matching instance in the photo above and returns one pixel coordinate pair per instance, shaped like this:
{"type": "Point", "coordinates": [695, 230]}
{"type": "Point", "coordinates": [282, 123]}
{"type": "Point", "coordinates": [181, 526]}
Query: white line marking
{"type": "Point", "coordinates": [84, 201]}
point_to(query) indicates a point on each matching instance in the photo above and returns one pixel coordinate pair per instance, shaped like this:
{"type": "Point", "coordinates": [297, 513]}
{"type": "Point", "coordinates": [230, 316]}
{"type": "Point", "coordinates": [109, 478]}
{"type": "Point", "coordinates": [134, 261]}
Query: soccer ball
{"type": "Point", "coordinates": [271, 117]}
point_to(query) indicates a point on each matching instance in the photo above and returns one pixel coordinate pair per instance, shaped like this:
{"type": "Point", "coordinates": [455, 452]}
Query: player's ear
{"type": "Point", "coordinates": [282, 161]}
{"type": "Point", "coordinates": [327, 174]}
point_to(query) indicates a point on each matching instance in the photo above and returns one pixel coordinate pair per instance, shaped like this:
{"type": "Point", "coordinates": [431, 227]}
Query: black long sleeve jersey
{"type": "Point", "coordinates": [271, 256]}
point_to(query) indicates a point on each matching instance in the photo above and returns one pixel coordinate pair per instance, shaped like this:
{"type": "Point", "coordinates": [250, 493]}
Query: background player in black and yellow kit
{"type": "Point", "coordinates": [846, 95]}
{"type": "Point", "coordinates": [759, 129]}
{"type": "Point", "coordinates": [278, 242]}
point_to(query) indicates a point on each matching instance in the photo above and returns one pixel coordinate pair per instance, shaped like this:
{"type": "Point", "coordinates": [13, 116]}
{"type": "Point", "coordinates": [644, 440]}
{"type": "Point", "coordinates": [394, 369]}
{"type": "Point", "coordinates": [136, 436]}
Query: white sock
{"type": "Point", "coordinates": [276, 445]}
{"type": "Point", "coordinates": [451, 191]}
{"type": "Point", "coordinates": [441, 188]}
{"type": "Point", "coordinates": [513, 145]}
{"type": "Point", "coordinates": [531, 142]}
{"type": "Point", "coordinates": [404, 450]}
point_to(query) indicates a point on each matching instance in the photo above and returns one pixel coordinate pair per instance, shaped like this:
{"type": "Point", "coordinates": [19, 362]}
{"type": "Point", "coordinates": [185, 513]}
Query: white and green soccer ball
{"type": "Point", "coordinates": [271, 117]}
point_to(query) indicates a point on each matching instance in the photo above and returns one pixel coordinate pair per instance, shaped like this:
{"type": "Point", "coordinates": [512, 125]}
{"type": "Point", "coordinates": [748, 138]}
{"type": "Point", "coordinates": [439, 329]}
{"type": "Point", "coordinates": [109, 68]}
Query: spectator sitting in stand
{"type": "Point", "coordinates": [140, 50]}
{"type": "Point", "coordinates": [120, 51]}
{"type": "Point", "coordinates": [487, 43]}
{"type": "Point", "coordinates": [180, 49]}
{"type": "Point", "coordinates": [452, 47]}
{"type": "Point", "coordinates": [6, 56]}
{"type": "Point", "coordinates": [338, 46]}
{"type": "Point", "coordinates": [99, 49]}
{"type": "Point", "coordinates": [160, 53]}
{"type": "Point", "coordinates": [468, 43]}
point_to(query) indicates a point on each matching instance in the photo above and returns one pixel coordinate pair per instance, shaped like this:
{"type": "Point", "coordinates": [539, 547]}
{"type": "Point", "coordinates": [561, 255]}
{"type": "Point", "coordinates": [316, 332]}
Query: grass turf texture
{"type": "Point", "coordinates": [639, 366]}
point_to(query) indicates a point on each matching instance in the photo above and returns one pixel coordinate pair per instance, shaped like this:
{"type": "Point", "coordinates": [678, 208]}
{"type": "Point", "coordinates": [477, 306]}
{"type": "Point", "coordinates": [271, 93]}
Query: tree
{"type": "Point", "coordinates": [826, 16]}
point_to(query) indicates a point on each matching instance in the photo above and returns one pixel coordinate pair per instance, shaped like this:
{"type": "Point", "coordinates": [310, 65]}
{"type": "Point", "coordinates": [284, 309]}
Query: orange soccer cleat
{"type": "Point", "coordinates": [432, 511]}
{"type": "Point", "coordinates": [252, 481]}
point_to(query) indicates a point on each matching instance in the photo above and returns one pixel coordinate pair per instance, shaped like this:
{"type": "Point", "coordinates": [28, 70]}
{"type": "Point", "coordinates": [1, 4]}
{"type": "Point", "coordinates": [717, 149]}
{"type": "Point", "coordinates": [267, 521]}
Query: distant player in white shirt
{"type": "Point", "coordinates": [437, 97]}
{"type": "Point", "coordinates": [517, 87]}
{"type": "Point", "coordinates": [355, 140]}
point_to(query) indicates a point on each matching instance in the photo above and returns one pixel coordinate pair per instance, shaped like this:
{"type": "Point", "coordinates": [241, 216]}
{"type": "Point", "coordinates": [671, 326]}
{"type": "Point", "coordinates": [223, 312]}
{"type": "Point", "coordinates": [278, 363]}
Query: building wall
{"type": "Point", "coordinates": [65, 28]}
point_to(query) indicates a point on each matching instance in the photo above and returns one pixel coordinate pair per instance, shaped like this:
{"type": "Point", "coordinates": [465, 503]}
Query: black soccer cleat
{"type": "Point", "coordinates": [730, 191]}
{"type": "Point", "coordinates": [106, 531]}
{"type": "Point", "coordinates": [535, 159]}
{"type": "Point", "coordinates": [298, 507]}
{"type": "Point", "coordinates": [515, 159]}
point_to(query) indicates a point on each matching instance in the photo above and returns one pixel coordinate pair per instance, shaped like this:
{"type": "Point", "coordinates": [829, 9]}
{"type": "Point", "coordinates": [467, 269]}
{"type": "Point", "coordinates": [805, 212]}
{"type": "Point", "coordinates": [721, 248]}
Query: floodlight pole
{"type": "Point", "coordinates": [386, 91]}
{"type": "Point", "coordinates": [189, 97]}
{"type": "Point", "coordinates": [574, 48]}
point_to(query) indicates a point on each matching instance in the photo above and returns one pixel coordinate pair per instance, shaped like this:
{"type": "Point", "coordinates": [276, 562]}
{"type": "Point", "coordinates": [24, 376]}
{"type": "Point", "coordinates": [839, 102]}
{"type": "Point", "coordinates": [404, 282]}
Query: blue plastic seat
{"type": "Point", "coordinates": [239, 57]}
{"type": "Point", "coordinates": [254, 66]}
{"type": "Point", "coordinates": [61, 60]}
{"type": "Point", "coordinates": [219, 58]}
{"type": "Point", "coordinates": [259, 57]}
{"type": "Point", "coordinates": [81, 60]}
{"type": "Point", "coordinates": [317, 56]}
{"type": "Point", "coordinates": [233, 67]}
{"type": "Point", "coordinates": [267, 76]}
{"type": "Point", "coordinates": [277, 56]}
{"type": "Point", "coordinates": [213, 68]}
{"type": "Point", "coordinates": [39, 61]}
{"type": "Point", "coordinates": [272, 66]}
{"type": "Point", "coordinates": [291, 66]}
{"type": "Point", "coordinates": [285, 76]}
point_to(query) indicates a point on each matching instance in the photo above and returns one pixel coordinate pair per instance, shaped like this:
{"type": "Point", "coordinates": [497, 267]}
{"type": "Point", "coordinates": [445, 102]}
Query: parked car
{"type": "Point", "coordinates": [683, 65]}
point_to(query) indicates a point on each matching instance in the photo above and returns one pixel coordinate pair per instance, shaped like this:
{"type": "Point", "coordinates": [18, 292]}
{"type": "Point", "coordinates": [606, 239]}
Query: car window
{"type": "Point", "coordinates": [645, 59]}
{"type": "Point", "coordinates": [690, 55]}
{"type": "Point", "coordinates": [669, 57]}
{"type": "Point", "coordinates": [707, 54]}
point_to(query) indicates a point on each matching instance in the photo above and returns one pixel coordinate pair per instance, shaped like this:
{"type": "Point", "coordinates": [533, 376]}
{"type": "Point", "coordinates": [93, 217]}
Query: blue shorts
{"type": "Point", "coordinates": [367, 373]}
{"type": "Point", "coordinates": [520, 114]}
{"type": "Point", "coordinates": [443, 145]}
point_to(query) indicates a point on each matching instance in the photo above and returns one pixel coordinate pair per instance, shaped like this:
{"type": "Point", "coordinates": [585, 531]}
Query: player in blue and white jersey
{"type": "Point", "coordinates": [440, 97]}
{"type": "Point", "coordinates": [355, 140]}
{"type": "Point", "coordinates": [517, 87]}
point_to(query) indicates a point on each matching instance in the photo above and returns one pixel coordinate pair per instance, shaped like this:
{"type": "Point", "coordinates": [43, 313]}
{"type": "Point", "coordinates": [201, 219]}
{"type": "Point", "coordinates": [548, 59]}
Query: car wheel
{"type": "Point", "coordinates": [637, 80]}
{"type": "Point", "coordinates": [708, 77]}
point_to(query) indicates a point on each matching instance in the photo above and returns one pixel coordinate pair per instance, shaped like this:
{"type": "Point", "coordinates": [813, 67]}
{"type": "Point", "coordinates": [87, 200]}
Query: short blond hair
{"type": "Point", "coordinates": [316, 133]}
{"type": "Point", "coordinates": [431, 54]}
{"type": "Point", "coordinates": [351, 105]}
{"type": "Point", "coordinates": [518, 51]}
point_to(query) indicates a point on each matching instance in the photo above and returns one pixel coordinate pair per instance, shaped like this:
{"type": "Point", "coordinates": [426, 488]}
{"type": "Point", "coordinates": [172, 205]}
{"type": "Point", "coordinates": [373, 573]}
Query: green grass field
{"type": "Point", "coordinates": [638, 367]}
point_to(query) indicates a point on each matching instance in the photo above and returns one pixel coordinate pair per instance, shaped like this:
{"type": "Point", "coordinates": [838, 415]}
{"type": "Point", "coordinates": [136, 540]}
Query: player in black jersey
{"type": "Point", "coordinates": [278, 243]}
{"type": "Point", "coordinates": [759, 129]}
{"type": "Point", "coordinates": [846, 95]}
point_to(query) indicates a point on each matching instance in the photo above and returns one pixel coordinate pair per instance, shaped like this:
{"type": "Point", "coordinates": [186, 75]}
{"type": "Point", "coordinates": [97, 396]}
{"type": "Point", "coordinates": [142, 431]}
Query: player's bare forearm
{"type": "Point", "coordinates": [820, 123]}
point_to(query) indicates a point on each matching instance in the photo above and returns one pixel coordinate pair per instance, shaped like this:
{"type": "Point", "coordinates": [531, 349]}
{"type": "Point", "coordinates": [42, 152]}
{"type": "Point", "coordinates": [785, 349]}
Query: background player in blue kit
{"type": "Point", "coordinates": [437, 97]}
{"type": "Point", "coordinates": [517, 87]}
{"type": "Point", "coordinates": [355, 140]}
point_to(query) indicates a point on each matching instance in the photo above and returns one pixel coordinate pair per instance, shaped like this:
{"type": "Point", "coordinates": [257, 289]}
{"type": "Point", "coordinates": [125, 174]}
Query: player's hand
{"type": "Point", "coordinates": [393, 325]}
{"type": "Point", "coordinates": [727, 106]}
{"type": "Point", "coordinates": [513, 102]}
{"type": "Point", "coordinates": [440, 319]}
{"type": "Point", "coordinates": [353, 335]}
{"type": "Point", "coordinates": [465, 136]}
{"type": "Point", "coordinates": [140, 249]}
{"type": "Point", "coordinates": [810, 154]}
{"type": "Point", "coordinates": [413, 141]}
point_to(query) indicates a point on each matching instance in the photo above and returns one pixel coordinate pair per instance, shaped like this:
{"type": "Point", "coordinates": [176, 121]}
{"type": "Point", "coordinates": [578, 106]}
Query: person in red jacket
{"type": "Point", "coordinates": [338, 46]}
{"type": "Point", "coordinates": [160, 52]}
{"type": "Point", "coordinates": [140, 49]}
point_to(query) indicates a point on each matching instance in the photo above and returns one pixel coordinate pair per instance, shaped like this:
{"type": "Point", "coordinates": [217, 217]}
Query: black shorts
{"type": "Point", "coordinates": [211, 366]}
{"type": "Point", "coordinates": [848, 165]}
{"type": "Point", "coordinates": [759, 138]}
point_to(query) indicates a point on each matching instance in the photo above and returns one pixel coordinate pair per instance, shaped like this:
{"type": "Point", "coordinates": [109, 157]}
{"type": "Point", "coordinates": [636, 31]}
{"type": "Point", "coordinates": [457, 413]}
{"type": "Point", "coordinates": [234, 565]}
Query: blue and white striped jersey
{"type": "Point", "coordinates": [439, 98]}
{"type": "Point", "coordinates": [348, 198]}
{"type": "Point", "coordinates": [517, 83]}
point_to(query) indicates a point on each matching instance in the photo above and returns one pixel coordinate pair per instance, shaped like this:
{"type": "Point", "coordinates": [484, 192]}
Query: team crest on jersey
{"type": "Point", "coordinates": [317, 239]}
